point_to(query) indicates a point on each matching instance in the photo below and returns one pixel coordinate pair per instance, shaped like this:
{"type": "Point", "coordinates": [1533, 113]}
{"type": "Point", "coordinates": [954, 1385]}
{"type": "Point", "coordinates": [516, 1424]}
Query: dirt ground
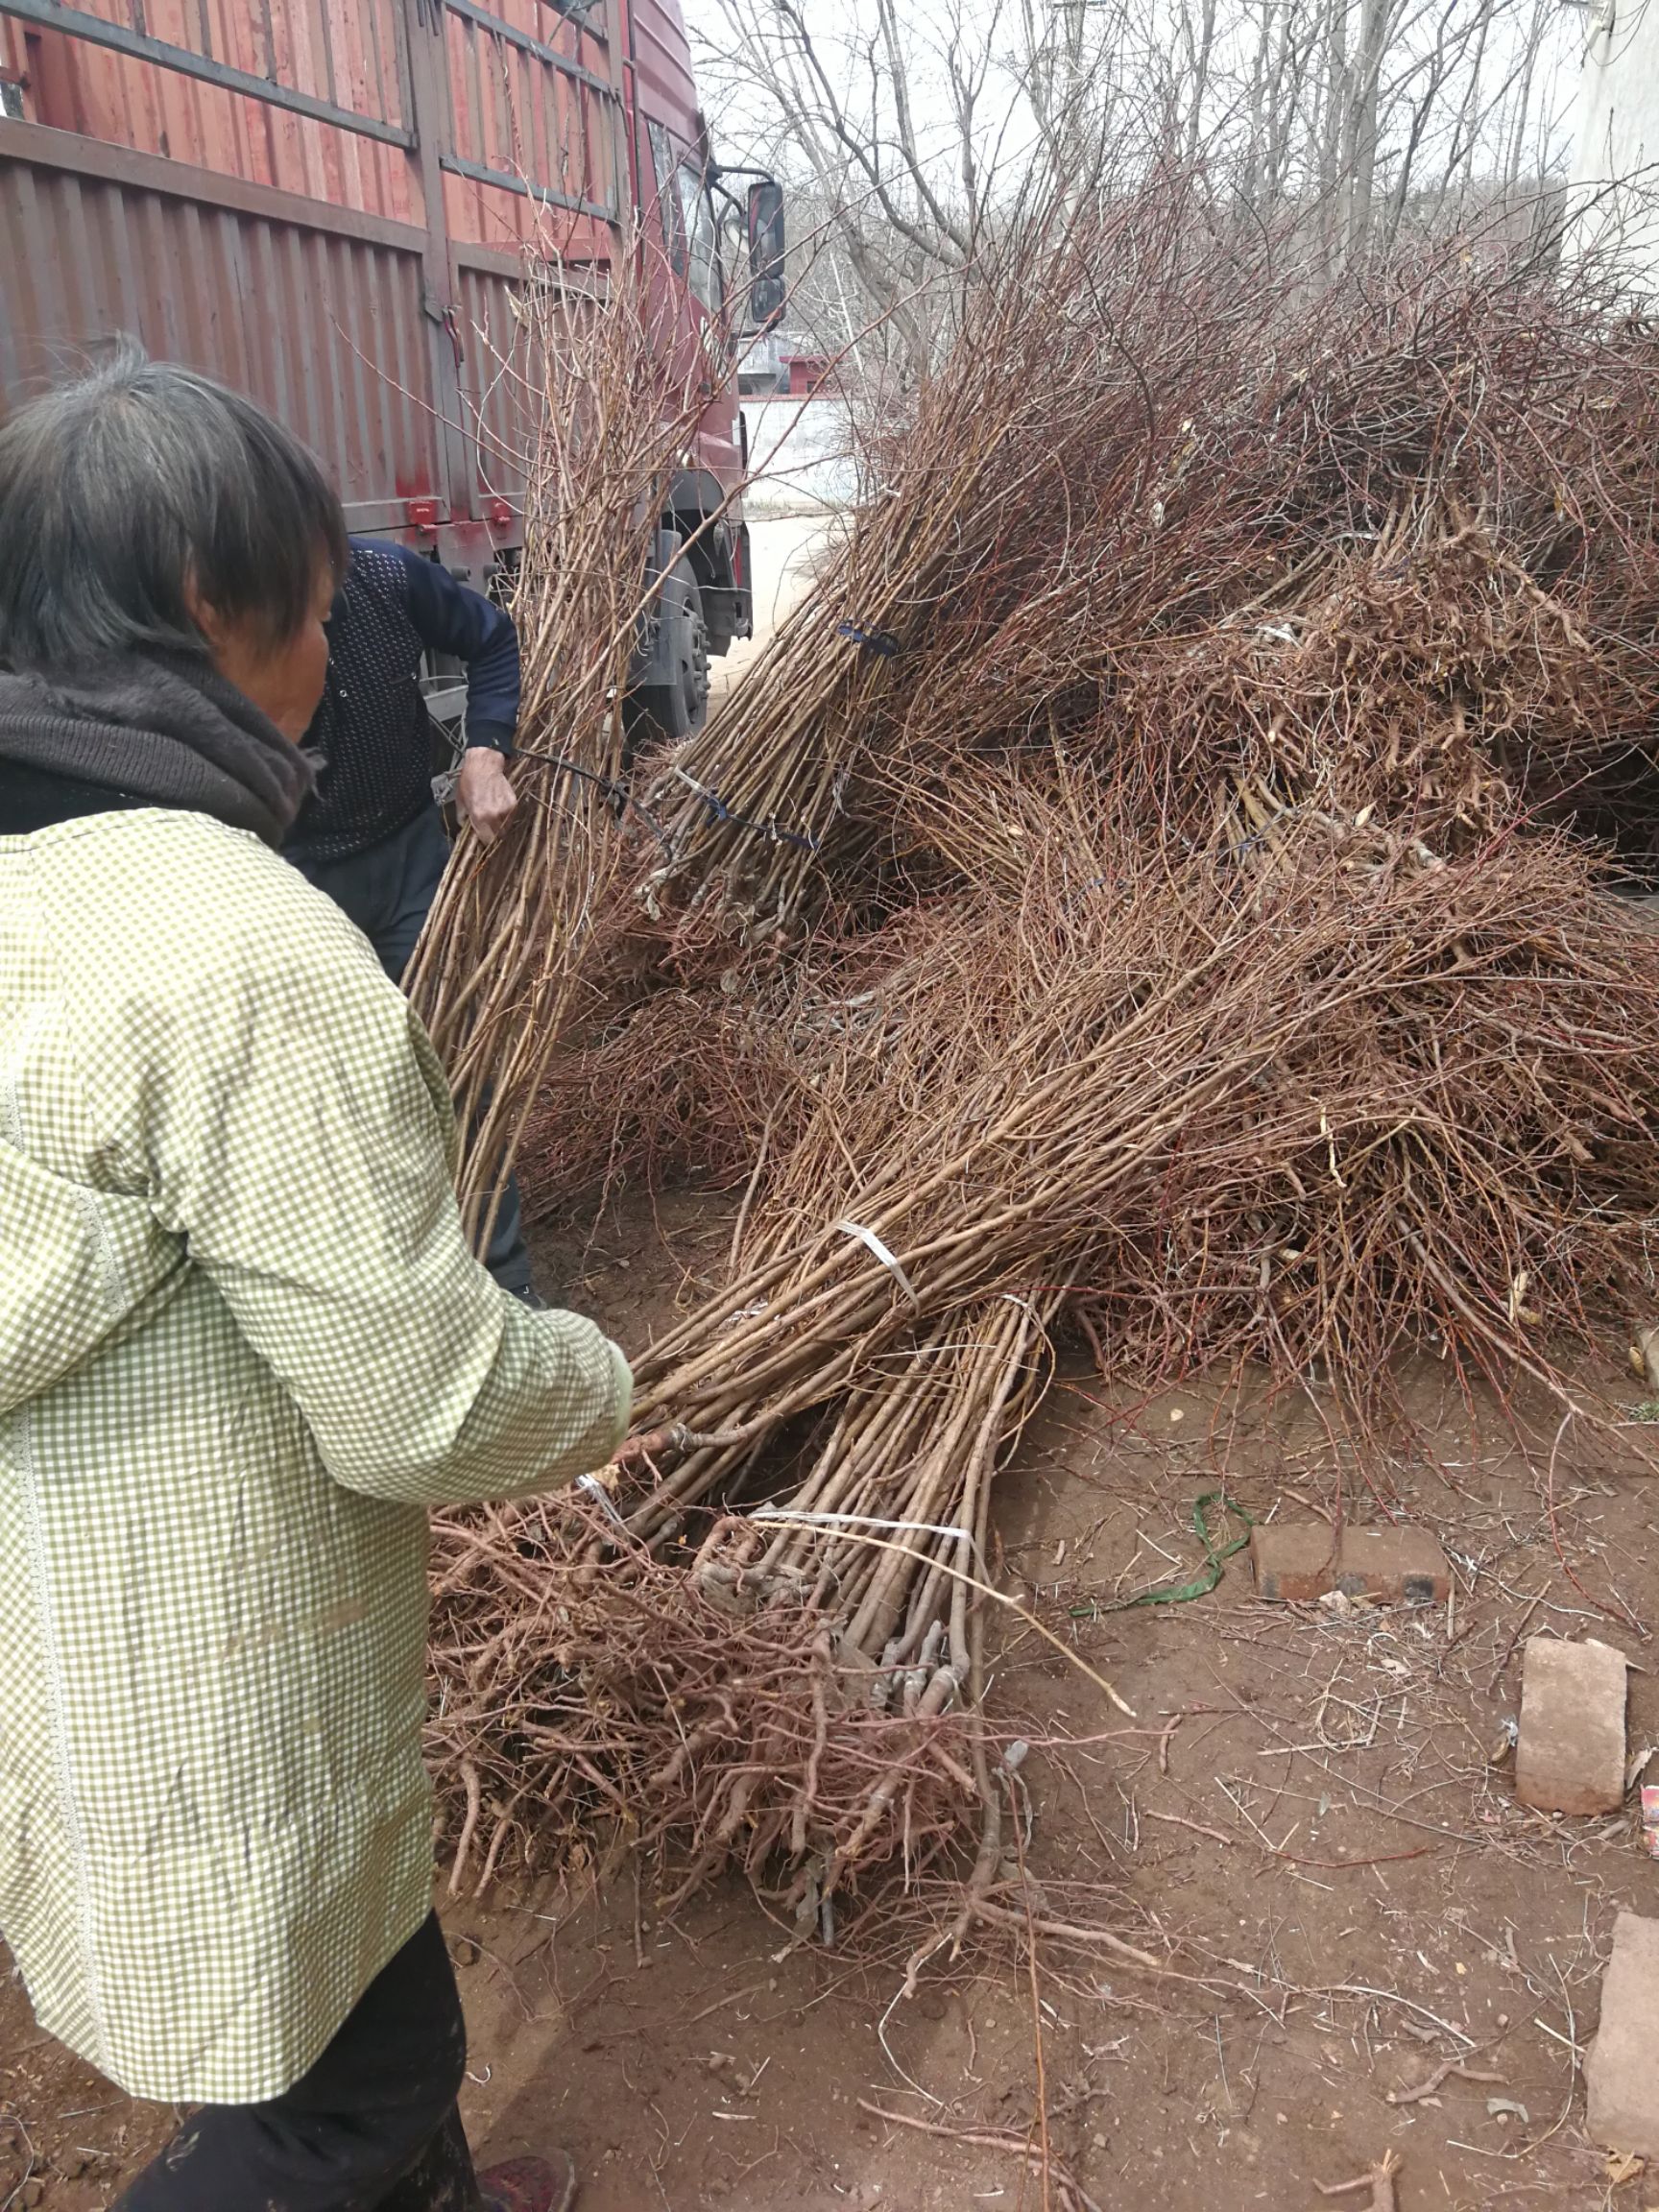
{"type": "Point", "coordinates": [1309, 1819]}
{"type": "Point", "coordinates": [782, 548]}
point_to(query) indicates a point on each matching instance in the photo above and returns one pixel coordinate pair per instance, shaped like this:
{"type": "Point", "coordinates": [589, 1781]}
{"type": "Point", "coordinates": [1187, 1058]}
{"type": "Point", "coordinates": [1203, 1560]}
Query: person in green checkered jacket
{"type": "Point", "coordinates": [243, 1344]}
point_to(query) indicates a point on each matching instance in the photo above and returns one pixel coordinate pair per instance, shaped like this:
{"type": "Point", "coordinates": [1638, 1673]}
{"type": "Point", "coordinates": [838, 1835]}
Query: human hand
{"type": "Point", "coordinates": [484, 792]}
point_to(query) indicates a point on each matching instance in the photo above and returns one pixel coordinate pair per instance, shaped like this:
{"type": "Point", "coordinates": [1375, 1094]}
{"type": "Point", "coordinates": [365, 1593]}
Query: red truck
{"type": "Point", "coordinates": [328, 202]}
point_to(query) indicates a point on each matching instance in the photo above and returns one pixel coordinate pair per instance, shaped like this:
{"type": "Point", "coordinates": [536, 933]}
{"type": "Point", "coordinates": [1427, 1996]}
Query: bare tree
{"type": "Point", "coordinates": [909, 130]}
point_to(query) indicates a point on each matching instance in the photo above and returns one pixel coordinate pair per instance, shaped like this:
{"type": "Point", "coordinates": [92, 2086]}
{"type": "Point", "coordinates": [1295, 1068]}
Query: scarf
{"type": "Point", "coordinates": [160, 730]}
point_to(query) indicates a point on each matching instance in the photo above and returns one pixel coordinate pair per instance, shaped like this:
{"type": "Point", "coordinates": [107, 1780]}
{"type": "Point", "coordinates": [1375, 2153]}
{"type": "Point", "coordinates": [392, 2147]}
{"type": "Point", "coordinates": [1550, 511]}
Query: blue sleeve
{"type": "Point", "coordinates": [450, 619]}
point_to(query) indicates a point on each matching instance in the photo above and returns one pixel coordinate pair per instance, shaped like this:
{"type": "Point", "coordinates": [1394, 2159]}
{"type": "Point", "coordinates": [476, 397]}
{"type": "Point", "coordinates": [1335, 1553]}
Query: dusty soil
{"type": "Point", "coordinates": [1310, 1818]}
{"type": "Point", "coordinates": [783, 549]}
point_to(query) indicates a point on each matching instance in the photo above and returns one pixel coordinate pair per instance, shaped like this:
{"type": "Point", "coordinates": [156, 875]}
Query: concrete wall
{"type": "Point", "coordinates": [801, 451]}
{"type": "Point", "coordinates": [1617, 133]}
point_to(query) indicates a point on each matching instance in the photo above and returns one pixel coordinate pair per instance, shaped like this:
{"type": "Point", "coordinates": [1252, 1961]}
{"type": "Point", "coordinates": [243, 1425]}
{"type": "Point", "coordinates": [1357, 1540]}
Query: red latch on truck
{"type": "Point", "coordinates": [499, 513]}
{"type": "Point", "coordinates": [422, 515]}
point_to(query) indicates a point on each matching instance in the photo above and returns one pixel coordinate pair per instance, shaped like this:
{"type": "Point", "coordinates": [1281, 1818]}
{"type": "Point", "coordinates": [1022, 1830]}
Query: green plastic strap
{"type": "Point", "coordinates": [1215, 1556]}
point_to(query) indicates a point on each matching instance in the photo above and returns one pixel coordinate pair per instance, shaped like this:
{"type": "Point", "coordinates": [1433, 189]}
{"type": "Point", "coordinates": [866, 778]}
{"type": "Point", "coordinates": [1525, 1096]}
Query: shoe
{"type": "Point", "coordinates": [530, 1296]}
{"type": "Point", "coordinates": [530, 2185]}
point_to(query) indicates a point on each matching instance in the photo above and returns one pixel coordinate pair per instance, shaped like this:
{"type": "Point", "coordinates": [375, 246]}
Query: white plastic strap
{"type": "Point", "coordinates": [594, 1489]}
{"type": "Point", "coordinates": [869, 1238]}
{"type": "Point", "coordinates": [863, 1521]}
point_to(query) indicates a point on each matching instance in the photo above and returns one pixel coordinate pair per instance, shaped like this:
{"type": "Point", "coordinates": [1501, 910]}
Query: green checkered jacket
{"type": "Point", "coordinates": [242, 1346]}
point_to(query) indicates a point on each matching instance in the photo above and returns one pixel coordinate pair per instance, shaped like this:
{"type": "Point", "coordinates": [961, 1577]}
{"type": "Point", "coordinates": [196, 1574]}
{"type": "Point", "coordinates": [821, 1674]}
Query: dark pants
{"type": "Point", "coordinates": [387, 891]}
{"type": "Point", "coordinates": [372, 2128]}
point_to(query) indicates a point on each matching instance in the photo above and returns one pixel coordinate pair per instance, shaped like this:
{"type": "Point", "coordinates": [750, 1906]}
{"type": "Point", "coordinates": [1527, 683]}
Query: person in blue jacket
{"type": "Point", "coordinates": [371, 835]}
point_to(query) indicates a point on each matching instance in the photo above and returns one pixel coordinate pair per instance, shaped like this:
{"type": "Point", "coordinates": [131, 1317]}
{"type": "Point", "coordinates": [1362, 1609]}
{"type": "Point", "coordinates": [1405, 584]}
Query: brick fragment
{"type": "Point", "coordinates": [1621, 2067]}
{"type": "Point", "coordinates": [1571, 1754]}
{"type": "Point", "coordinates": [1297, 1561]}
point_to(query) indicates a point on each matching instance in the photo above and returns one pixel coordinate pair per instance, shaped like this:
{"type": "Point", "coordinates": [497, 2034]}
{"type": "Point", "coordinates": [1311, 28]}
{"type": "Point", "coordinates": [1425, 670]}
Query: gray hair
{"type": "Point", "coordinates": [126, 491]}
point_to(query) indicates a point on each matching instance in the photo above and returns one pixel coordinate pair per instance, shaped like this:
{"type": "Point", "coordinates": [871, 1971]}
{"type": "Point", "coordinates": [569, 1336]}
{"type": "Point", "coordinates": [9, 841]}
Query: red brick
{"type": "Point", "coordinates": [1569, 1757]}
{"type": "Point", "coordinates": [1621, 2068]}
{"type": "Point", "coordinates": [1295, 1562]}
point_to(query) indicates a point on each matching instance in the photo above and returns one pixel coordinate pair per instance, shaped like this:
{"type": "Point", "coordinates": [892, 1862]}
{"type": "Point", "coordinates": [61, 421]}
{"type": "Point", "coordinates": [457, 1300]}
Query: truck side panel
{"type": "Point", "coordinates": [352, 60]}
{"type": "Point", "coordinates": [535, 140]}
{"type": "Point", "coordinates": [325, 202]}
{"type": "Point", "coordinates": [318, 319]}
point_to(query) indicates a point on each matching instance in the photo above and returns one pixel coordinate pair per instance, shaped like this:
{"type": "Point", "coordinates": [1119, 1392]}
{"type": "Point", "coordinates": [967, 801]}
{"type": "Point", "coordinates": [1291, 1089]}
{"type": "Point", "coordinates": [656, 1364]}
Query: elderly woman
{"type": "Point", "coordinates": [243, 1344]}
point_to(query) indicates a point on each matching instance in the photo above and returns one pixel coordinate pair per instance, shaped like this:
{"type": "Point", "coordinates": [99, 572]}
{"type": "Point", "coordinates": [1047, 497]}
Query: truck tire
{"type": "Point", "coordinates": [679, 706]}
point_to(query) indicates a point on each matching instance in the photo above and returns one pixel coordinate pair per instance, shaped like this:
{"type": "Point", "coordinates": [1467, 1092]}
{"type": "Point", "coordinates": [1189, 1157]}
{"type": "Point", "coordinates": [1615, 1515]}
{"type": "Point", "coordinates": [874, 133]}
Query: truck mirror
{"type": "Point", "coordinates": [768, 286]}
